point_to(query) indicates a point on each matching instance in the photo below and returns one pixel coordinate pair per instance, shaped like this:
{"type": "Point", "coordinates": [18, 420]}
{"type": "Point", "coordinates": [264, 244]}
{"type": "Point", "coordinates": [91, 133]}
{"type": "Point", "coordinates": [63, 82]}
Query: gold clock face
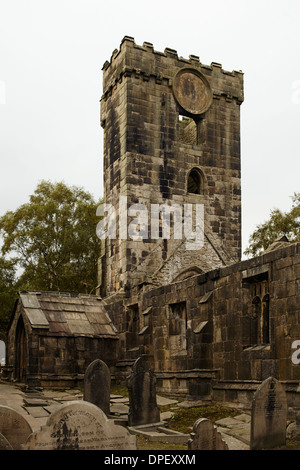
{"type": "Point", "coordinates": [192, 91]}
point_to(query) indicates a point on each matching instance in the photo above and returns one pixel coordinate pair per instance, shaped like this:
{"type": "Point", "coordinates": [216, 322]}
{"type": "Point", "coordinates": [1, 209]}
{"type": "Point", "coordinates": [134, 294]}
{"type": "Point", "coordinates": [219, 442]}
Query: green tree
{"type": "Point", "coordinates": [8, 293]}
{"type": "Point", "coordinates": [279, 224]}
{"type": "Point", "coordinates": [52, 239]}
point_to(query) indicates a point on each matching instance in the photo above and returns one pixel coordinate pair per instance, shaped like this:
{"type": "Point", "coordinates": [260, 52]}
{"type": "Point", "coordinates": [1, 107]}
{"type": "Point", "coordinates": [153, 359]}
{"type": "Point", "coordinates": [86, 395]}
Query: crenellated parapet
{"type": "Point", "coordinates": [148, 64]}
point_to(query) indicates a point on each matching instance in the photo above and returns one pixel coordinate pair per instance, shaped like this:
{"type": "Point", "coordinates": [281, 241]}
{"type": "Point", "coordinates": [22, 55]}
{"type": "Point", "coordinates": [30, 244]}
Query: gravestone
{"type": "Point", "coordinates": [141, 384]}
{"type": "Point", "coordinates": [4, 444]}
{"type": "Point", "coordinates": [205, 436]}
{"type": "Point", "coordinates": [14, 427]}
{"type": "Point", "coordinates": [97, 385]}
{"type": "Point", "coordinates": [80, 425]}
{"type": "Point", "coordinates": [269, 416]}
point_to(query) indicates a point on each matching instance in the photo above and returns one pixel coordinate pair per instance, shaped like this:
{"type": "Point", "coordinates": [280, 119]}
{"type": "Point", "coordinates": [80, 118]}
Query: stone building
{"type": "Point", "coordinates": [54, 336]}
{"type": "Point", "coordinates": [209, 324]}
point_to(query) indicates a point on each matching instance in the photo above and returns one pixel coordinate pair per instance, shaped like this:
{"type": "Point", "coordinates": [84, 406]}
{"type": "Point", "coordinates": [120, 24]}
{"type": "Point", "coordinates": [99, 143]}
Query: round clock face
{"type": "Point", "coordinates": [192, 91]}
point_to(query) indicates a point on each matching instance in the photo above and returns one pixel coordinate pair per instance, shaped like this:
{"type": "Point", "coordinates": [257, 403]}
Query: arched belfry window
{"type": "Point", "coordinates": [195, 182]}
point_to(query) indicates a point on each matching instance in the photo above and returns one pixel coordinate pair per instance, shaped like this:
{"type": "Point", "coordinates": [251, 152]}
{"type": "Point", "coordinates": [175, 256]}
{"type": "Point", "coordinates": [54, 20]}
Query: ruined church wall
{"type": "Point", "coordinates": [205, 322]}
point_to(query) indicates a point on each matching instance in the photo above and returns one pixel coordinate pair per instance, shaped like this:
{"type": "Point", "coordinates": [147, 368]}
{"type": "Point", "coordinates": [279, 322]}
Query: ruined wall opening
{"type": "Point", "coordinates": [195, 182]}
{"type": "Point", "coordinates": [254, 320]}
{"type": "Point", "coordinates": [177, 326]}
{"type": "Point", "coordinates": [132, 326]}
{"type": "Point", "coordinates": [256, 323]}
{"type": "Point", "coordinates": [256, 317]}
{"type": "Point", "coordinates": [188, 130]}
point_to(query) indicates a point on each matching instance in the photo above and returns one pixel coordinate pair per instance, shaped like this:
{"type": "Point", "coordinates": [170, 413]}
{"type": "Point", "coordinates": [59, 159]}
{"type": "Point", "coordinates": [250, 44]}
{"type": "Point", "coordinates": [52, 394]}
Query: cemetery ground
{"type": "Point", "coordinates": [179, 414]}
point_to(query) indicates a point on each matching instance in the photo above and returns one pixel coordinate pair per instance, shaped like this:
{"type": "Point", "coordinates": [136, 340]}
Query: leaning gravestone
{"type": "Point", "coordinates": [269, 416]}
{"type": "Point", "coordinates": [141, 384]}
{"type": "Point", "coordinates": [97, 385]}
{"type": "Point", "coordinates": [205, 436]}
{"type": "Point", "coordinates": [80, 425]}
{"type": "Point", "coordinates": [14, 427]}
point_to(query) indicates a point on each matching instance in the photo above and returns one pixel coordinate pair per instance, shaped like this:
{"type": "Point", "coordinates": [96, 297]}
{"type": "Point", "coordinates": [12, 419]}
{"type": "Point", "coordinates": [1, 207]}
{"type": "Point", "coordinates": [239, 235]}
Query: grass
{"type": "Point", "coordinates": [183, 419]}
{"type": "Point", "coordinates": [293, 444]}
{"type": "Point", "coordinates": [119, 390]}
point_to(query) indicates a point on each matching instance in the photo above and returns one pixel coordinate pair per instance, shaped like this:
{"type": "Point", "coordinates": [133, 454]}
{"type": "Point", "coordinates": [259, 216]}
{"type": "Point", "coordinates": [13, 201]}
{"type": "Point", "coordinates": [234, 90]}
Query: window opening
{"type": "Point", "coordinates": [132, 320]}
{"type": "Point", "coordinates": [177, 326]}
{"type": "Point", "coordinates": [194, 182]}
{"type": "Point", "coordinates": [255, 318]}
{"type": "Point", "coordinates": [188, 132]}
{"type": "Point", "coordinates": [190, 129]}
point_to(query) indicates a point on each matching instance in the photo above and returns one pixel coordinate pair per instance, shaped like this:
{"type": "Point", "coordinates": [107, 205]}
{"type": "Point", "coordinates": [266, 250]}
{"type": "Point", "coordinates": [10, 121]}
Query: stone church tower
{"type": "Point", "coordinates": [172, 138]}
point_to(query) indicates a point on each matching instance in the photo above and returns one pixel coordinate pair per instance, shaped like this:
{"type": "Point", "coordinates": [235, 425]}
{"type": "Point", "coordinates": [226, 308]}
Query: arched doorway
{"type": "Point", "coordinates": [21, 351]}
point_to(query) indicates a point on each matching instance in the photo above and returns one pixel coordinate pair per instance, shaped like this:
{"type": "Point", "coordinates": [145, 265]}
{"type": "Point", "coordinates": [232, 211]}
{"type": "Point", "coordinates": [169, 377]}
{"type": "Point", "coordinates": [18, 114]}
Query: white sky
{"type": "Point", "coordinates": [51, 56]}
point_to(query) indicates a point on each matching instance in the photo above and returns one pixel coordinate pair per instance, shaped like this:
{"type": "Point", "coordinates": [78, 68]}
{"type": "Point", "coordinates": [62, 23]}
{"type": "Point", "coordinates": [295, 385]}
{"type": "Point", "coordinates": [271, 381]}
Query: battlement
{"type": "Point", "coordinates": [147, 63]}
{"type": "Point", "coordinates": [168, 52]}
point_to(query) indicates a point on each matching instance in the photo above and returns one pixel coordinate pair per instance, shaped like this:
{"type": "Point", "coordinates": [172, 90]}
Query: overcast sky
{"type": "Point", "coordinates": [51, 56]}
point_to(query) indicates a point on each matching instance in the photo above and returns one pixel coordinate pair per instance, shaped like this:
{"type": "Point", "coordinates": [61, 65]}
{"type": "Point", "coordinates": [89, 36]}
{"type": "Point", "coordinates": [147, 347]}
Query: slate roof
{"type": "Point", "coordinates": [65, 314]}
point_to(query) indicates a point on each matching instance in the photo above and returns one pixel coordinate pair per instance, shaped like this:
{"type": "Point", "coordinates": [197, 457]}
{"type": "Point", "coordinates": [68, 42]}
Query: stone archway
{"type": "Point", "coordinates": [189, 272]}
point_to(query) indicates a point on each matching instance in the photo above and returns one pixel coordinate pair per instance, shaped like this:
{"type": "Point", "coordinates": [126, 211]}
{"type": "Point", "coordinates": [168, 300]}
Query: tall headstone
{"type": "Point", "coordinates": [14, 427]}
{"type": "Point", "coordinates": [80, 425]}
{"type": "Point", "coordinates": [141, 384]}
{"type": "Point", "coordinates": [269, 416]}
{"type": "Point", "coordinates": [205, 436]}
{"type": "Point", "coordinates": [97, 385]}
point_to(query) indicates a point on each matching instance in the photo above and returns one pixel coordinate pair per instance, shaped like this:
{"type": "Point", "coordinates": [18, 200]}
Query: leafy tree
{"type": "Point", "coordinates": [8, 293]}
{"type": "Point", "coordinates": [279, 224]}
{"type": "Point", "coordinates": [52, 239]}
